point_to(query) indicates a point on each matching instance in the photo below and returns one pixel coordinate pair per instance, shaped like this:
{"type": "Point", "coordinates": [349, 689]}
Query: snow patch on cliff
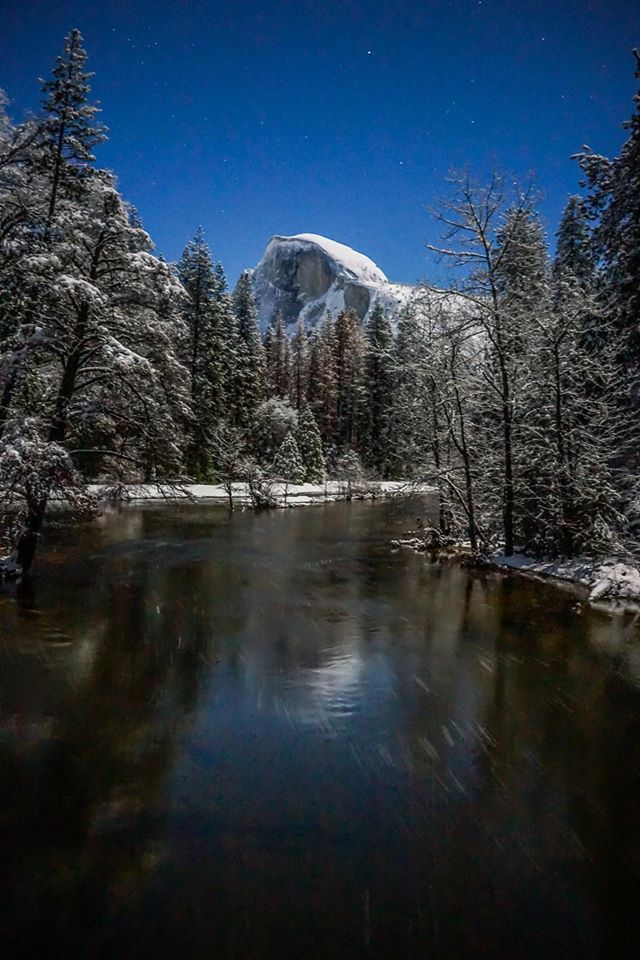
{"type": "Point", "coordinates": [309, 276]}
{"type": "Point", "coordinates": [361, 267]}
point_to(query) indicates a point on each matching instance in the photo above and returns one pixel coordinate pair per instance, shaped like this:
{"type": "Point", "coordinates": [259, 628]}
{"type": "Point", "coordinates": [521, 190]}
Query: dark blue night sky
{"type": "Point", "coordinates": [339, 118]}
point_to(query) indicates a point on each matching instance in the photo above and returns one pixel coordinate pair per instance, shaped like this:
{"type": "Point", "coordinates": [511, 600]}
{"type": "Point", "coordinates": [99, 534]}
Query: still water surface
{"type": "Point", "coordinates": [269, 736]}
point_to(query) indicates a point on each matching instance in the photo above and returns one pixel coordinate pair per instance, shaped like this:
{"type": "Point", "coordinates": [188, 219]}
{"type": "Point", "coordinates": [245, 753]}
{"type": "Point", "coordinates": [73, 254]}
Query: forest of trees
{"type": "Point", "coordinates": [514, 392]}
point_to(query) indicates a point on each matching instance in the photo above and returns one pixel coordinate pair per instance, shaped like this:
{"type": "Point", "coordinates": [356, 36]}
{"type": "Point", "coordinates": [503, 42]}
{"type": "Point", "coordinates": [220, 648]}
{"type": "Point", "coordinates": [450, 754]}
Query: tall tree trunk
{"type": "Point", "coordinates": [68, 383]}
{"type": "Point", "coordinates": [508, 487]}
{"type": "Point", "coordinates": [566, 534]}
{"type": "Point", "coordinates": [57, 166]}
{"type": "Point", "coordinates": [7, 397]}
{"type": "Point", "coordinates": [507, 442]}
{"type": "Point", "coordinates": [28, 542]}
{"type": "Point", "coordinates": [13, 378]}
{"type": "Point", "coordinates": [195, 350]}
{"type": "Point", "coordinates": [437, 460]}
{"type": "Point", "coordinates": [59, 421]}
{"type": "Point", "coordinates": [464, 450]}
{"type": "Point", "coordinates": [55, 181]}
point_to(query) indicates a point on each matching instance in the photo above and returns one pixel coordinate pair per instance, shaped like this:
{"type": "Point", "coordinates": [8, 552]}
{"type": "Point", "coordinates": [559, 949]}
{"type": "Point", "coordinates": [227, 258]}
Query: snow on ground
{"type": "Point", "coordinates": [608, 579]}
{"type": "Point", "coordinates": [301, 494]}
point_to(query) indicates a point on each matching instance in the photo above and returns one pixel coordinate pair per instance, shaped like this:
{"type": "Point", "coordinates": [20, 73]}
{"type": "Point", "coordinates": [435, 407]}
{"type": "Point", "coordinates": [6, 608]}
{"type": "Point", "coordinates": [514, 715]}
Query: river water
{"type": "Point", "coordinates": [269, 736]}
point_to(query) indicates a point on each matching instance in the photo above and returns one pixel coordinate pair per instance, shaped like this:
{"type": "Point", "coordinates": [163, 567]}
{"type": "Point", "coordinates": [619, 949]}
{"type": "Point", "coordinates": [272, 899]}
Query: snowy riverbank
{"type": "Point", "coordinates": [607, 579]}
{"type": "Point", "coordinates": [289, 495]}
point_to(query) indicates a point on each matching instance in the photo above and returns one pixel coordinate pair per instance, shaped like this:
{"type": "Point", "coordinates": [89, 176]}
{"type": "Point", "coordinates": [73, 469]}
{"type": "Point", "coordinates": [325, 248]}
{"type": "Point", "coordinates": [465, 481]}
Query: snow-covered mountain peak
{"type": "Point", "coordinates": [359, 266]}
{"type": "Point", "coordinates": [309, 276]}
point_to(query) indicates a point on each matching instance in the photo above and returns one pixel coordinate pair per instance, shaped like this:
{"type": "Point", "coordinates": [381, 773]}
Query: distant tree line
{"type": "Point", "coordinates": [514, 392]}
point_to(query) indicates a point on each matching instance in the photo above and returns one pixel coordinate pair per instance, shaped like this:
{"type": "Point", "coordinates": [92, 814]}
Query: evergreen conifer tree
{"type": "Point", "coordinates": [409, 431]}
{"type": "Point", "coordinates": [22, 190]}
{"type": "Point", "coordinates": [273, 420]}
{"type": "Point", "coordinates": [322, 390]}
{"type": "Point", "coordinates": [522, 283]}
{"type": "Point", "coordinates": [250, 364]}
{"type": "Point", "coordinates": [206, 349]}
{"type": "Point", "coordinates": [613, 203]}
{"type": "Point", "coordinates": [350, 385]}
{"type": "Point", "coordinates": [573, 243]}
{"type": "Point", "coordinates": [521, 267]}
{"type": "Point", "coordinates": [278, 358]}
{"type": "Point", "coordinates": [310, 446]}
{"type": "Point", "coordinates": [71, 130]}
{"type": "Point", "coordinates": [103, 382]}
{"type": "Point", "coordinates": [225, 322]}
{"type": "Point", "coordinates": [299, 366]}
{"type": "Point", "coordinates": [378, 375]}
{"type": "Point", "coordinates": [574, 266]}
{"type": "Point", "coordinates": [288, 464]}
{"type": "Point", "coordinates": [52, 159]}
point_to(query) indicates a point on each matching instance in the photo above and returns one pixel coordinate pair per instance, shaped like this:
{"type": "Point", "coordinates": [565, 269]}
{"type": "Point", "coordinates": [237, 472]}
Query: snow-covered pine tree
{"type": "Point", "coordinates": [206, 353]}
{"type": "Point", "coordinates": [411, 401]}
{"type": "Point", "coordinates": [71, 130]}
{"type": "Point", "coordinates": [322, 392]}
{"type": "Point", "coordinates": [575, 434]}
{"type": "Point", "coordinates": [195, 270]}
{"type": "Point", "coordinates": [378, 378]}
{"type": "Point", "coordinates": [522, 273]}
{"type": "Point", "coordinates": [288, 462]}
{"type": "Point", "coordinates": [54, 157]}
{"type": "Point", "coordinates": [288, 465]}
{"type": "Point", "coordinates": [102, 377]}
{"type": "Point", "coordinates": [521, 269]}
{"type": "Point", "coordinates": [350, 376]}
{"type": "Point", "coordinates": [578, 424]}
{"type": "Point", "coordinates": [272, 421]}
{"type": "Point", "coordinates": [574, 260]}
{"type": "Point", "coordinates": [90, 376]}
{"type": "Point", "coordinates": [299, 366]}
{"type": "Point", "coordinates": [573, 243]}
{"type": "Point", "coordinates": [250, 365]}
{"type": "Point", "coordinates": [21, 191]}
{"type": "Point", "coordinates": [310, 446]}
{"type": "Point", "coordinates": [278, 358]}
{"type": "Point", "coordinates": [224, 323]}
{"type": "Point", "coordinates": [614, 205]}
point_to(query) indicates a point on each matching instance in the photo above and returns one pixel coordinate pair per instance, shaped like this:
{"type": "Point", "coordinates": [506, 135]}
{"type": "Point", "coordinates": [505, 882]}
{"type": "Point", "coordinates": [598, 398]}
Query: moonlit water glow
{"type": "Point", "coordinates": [270, 734]}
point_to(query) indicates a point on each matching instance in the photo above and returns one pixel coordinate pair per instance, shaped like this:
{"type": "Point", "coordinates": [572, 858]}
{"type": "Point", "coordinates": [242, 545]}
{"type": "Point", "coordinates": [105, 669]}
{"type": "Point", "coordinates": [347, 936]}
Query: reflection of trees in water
{"type": "Point", "coordinates": [81, 808]}
{"type": "Point", "coordinates": [559, 780]}
{"type": "Point", "coordinates": [605, 806]}
{"type": "Point", "coordinates": [530, 826]}
{"type": "Point", "coordinates": [321, 617]}
{"type": "Point", "coordinates": [493, 752]}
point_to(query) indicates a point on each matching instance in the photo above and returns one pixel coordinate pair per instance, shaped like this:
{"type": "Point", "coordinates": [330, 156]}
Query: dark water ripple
{"type": "Point", "coordinates": [269, 736]}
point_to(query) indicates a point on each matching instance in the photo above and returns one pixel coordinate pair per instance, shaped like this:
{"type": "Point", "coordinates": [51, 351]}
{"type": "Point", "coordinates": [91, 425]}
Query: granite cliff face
{"type": "Point", "coordinates": [309, 276]}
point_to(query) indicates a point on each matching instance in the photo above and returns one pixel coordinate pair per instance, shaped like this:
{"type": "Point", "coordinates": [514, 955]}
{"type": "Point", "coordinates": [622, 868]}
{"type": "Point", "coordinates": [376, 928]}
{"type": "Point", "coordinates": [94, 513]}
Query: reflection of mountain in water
{"type": "Point", "coordinates": [264, 710]}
